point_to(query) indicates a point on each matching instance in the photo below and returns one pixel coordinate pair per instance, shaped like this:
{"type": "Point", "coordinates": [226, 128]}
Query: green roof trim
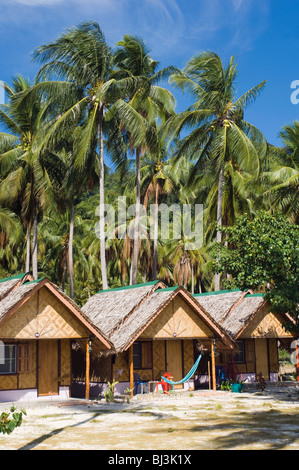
{"type": "Point", "coordinates": [168, 289]}
{"type": "Point", "coordinates": [254, 295]}
{"type": "Point", "coordinates": [34, 282]}
{"type": "Point", "coordinates": [216, 293]}
{"type": "Point", "coordinates": [17, 276]}
{"type": "Point", "coordinates": [135, 286]}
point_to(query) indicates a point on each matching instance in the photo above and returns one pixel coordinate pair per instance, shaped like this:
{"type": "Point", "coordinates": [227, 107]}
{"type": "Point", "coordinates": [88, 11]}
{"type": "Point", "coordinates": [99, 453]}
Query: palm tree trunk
{"type": "Point", "coordinates": [192, 279]}
{"type": "Point", "coordinates": [71, 248]}
{"type": "Point", "coordinates": [156, 212]}
{"type": "Point", "coordinates": [219, 220]}
{"type": "Point", "coordinates": [102, 200]}
{"type": "Point", "coordinates": [28, 248]}
{"type": "Point", "coordinates": [34, 248]}
{"type": "Point", "coordinates": [137, 222]}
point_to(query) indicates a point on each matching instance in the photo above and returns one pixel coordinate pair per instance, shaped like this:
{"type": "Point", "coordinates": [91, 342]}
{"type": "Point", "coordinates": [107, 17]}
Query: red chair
{"type": "Point", "coordinates": [165, 386]}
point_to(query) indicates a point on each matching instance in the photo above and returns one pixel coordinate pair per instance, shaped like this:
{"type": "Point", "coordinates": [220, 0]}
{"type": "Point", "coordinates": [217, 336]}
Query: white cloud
{"type": "Point", "coordinates": [169, 27]}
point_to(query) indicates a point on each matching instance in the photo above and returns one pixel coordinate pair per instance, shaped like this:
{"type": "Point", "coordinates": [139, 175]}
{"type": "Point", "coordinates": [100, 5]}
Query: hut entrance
{"type": "Point", "coordinates": [261, 353]}
{"type": "Point", "coordinates": [174, 360]}
{"type": "Point", "coordinates": [47, 367]}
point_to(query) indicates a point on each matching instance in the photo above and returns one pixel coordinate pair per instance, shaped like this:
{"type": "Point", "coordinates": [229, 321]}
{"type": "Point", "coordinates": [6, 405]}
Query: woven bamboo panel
{"type": "Point", "coordinates": [159, 365]}
{"type": "Point", "coordinates": [144, 374]}
{"type": "Point", "coordinates": [8, 382]}
{"type": "Point", "coordinates": [273, 355]}
{"type": "Point", "coordinates": [250, 355]}
{"type": "Point", "coordinates": [121, 368]}
{"type": "Point", "coordinates": [45, 315]}
{"type": "Point", "coordinates": [188, 355]}
{"type": "Point", "coordinates": [177, 319]}
{"type": "Point", "coordinates": [266, 323]}
{"type": "Point", "coordinates": [65, 362]}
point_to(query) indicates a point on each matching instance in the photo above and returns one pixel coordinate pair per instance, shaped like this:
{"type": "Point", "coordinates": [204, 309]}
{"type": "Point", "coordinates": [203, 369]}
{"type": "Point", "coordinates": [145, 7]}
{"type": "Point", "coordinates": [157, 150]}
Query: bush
{"type": "Point", "coordinates": [11, 420]}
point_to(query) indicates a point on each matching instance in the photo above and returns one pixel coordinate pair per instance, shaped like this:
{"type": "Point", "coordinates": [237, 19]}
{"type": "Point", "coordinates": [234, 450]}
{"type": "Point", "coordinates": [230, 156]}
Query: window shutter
{"type": "Point", "coordinates": [146, 355]}
{"type": "Point", "coordinates": [24, 357]}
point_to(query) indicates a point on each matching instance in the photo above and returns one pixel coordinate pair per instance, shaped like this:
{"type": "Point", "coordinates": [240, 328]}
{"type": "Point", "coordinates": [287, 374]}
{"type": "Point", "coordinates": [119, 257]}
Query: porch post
{"type": "Point", "coordinates": [87, 369]}
{"type": "Point", "coordinates": [131, 364]}
{"type": "Point", "coordinates": [297, 359]}
{"type": "Point", "coordinates": [213, 364]}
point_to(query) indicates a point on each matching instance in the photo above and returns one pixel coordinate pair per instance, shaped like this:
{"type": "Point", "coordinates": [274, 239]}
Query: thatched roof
{"type": "Point", "coordinates": [9, 283]}
{"type": "Point", "coordinates": [123, 314]}
{"type": "Point", "coordinates": [128, 330]}
{"type": "Point", "coordinates": [18, 290]}
{"type": "Point", "coordinates": [241, 315]}
{"type": "Point", "coordinates": [232, 310]}
{"type": "Point", "coordinates": [14, 297]}
{"type": "Point", "coordinates": [109, 309]}
{"type": "Point", "coordinates": [219, 304]}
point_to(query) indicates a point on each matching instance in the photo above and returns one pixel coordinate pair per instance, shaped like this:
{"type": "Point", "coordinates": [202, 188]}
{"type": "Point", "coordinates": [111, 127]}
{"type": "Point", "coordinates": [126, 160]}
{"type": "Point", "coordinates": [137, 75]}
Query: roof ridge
{"type": "Point", "coordinates": [216, 292]}
{"type": "Point", "coordinates": [134, 286]}
{"type": "Point", "coordinates": [11, 278]}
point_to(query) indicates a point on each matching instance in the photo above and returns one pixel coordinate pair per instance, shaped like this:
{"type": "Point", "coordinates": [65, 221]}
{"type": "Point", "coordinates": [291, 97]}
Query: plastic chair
{"type": "Point", "coordinates": [221, 375]}
{"type": "Point", "coordinates": [166, 387]}
{"type": "Point", "coordinates": [138, 382]}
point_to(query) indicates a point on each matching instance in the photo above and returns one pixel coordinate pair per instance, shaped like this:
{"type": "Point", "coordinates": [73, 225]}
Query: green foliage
{"type": "Point", "coordinates": [11, 420]}
{"type": "Point", "coordinates": [225, 385]}
{"type": "Point", "coordinates": [51, 155]}
{"type": "Point", "coordinates": [262, 253]}
{"type": "Point", "coordinates": [109, 391]}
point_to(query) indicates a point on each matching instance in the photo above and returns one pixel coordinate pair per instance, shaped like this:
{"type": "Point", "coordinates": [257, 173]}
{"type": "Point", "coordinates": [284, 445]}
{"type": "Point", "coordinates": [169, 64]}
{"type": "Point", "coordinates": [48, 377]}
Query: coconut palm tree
{"type": "Point", "coordinates": [80, 63]}
{"type": "Point", "coordinates": [283, 175]}
{"type": "Point", "coordinates": [150, 102]}
{"type": "Point", "coordinates": [28, 173]}
{"type": "Point", "coordinates": [219, 134]}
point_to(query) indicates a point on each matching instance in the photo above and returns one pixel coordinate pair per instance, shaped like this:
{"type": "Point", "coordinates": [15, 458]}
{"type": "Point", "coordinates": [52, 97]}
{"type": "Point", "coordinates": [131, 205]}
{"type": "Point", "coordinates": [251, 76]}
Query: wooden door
{"type": "Point", "coordinates": [174, 360]}
{"type": "Point", "coordinates": [261, 354]}
{"type": "Point", "coordinates": [47, 367]}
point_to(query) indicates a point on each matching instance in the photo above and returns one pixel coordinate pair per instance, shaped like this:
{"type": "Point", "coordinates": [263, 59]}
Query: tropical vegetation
{"type": "Point", "coordinates": [97, 129]}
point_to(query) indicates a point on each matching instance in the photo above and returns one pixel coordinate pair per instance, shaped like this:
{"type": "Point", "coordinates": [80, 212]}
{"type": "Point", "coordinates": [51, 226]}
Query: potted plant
{"type": "Point", "coordinates": [237, 385]}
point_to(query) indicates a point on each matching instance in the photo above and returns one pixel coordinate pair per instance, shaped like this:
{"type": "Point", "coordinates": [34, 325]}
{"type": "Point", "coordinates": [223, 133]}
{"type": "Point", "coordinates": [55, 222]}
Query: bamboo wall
{"type": "Point", "coordinates": [44, 314]}
{"type": "Point", "coordinates": [266, 324]}
{"type": "Point", "coordinates": [22, 380]}
{"type": "Point", "coordinates": [108, 368]}
{"type": "Point", "coordinates": [265, 358]}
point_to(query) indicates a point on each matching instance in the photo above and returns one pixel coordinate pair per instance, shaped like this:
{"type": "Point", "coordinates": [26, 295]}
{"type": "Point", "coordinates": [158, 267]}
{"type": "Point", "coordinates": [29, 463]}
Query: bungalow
{"type": "Point", "coordinates": [257, 332]}
{"type": "Point", "coordinates": [153, 329]}
{"type": "Point", "coordinates": [38, 324]}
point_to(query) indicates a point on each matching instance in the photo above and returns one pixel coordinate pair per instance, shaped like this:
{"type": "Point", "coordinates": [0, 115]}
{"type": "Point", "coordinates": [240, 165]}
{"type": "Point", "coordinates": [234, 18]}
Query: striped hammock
{"type": "Point", "coordinates": [188, 376]}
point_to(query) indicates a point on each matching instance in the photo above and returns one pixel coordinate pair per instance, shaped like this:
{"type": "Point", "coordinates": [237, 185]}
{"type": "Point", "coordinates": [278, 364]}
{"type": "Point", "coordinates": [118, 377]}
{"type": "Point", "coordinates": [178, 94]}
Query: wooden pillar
{"type": "Point", "coordinates": [213, 364]}
{"type": "Point", "coordinates": [131, 366]}
{"type": "Point", "coordinates": [297, 359]}
{"type": "Point", "coordinates": [87, 370]}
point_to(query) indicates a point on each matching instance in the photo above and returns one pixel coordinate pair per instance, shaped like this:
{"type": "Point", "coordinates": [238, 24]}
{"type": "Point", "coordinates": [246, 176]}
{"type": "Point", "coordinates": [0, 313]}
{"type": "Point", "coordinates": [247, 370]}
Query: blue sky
{"type": "Point", "coordinates": [261, 34]}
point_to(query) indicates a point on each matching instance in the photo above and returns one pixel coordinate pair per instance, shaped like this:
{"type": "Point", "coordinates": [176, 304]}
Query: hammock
{"type": "Point", "coordinates": [188, 376]}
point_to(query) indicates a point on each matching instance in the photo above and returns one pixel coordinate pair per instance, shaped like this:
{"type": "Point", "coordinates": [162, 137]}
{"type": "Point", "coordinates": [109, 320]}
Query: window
{"type": "Point", "coordinates": [8, 358]}
{"type": "Point", "coordinates": [239, 356]}
{"type": "Point", "coordinates": [142, 355]}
